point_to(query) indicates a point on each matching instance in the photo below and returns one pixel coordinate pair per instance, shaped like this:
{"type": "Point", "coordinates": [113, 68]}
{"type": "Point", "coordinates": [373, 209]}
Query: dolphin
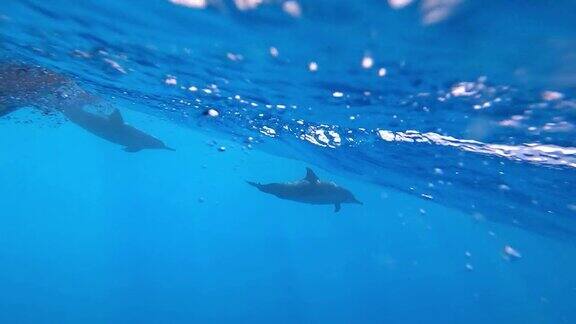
{"type": "Point", "coordinates": [24, 85]}
{"type": "Point", "coordinates": [113, 129]}
{"type": "Point", "coordinates": [310, 190]}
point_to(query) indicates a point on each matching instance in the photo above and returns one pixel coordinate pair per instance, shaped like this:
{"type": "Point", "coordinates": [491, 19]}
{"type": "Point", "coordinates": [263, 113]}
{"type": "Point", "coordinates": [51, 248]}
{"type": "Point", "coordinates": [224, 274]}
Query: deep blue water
{"type": "Point", "coordinates": [454, 122]}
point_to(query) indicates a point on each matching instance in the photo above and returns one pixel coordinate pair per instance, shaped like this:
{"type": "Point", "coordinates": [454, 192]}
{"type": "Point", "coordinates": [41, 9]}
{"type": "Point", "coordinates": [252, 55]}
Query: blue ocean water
{"type": "Point", "coordinates": [453, 122]}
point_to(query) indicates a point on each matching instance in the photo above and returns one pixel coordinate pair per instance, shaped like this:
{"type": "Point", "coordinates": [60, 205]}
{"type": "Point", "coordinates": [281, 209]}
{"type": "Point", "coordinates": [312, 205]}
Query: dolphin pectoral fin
{"type": "Point", "coordinates": [132, 149]}
{"type": "Point", "coordinates": [337, 207]}
{"type": "Point", "coordinates": [311, 176]}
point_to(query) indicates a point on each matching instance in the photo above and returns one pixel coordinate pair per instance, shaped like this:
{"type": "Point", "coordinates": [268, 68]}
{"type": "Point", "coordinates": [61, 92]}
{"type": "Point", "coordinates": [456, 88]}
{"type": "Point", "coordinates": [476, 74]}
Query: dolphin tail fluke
{"type": "Point", "coordinates": [337, 207]}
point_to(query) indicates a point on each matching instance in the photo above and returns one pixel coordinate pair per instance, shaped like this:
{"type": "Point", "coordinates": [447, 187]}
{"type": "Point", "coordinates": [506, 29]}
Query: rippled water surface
{"type": "Point", "coordinates": [453, 120]}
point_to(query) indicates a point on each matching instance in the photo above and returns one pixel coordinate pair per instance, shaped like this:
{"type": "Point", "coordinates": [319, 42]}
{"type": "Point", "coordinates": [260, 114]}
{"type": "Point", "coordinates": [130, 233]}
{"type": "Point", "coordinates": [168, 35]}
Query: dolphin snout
{"type": "Point", "coordinates": [169, 148]}
{"type": "Point", "coordinates": [256, 184]}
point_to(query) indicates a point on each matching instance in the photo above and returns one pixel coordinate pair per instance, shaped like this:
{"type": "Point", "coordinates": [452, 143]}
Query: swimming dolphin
{"type": "Point", "coordinates": [310, 190]}
{"type": "Point", "coordinates": [113, 129]}
{"type": "Point", "coordinates": [24, 85]}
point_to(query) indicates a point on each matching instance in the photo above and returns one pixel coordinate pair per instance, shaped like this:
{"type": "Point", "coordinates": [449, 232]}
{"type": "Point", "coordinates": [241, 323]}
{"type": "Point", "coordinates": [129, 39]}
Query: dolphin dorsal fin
{"type": "Point", "coordinates": [115, 117]}
{"type": "Point", "coordinates": [311, 176]}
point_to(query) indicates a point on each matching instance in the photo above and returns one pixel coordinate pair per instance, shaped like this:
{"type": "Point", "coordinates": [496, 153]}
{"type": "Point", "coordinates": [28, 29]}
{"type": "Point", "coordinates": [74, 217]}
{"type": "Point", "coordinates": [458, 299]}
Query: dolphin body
{"type": "Point", "coordinates": [310, 190]}
{"type": "Point", "coordinates": [113, 129]}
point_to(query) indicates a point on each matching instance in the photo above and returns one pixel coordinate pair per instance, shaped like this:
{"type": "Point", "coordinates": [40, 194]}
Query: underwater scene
{"type": "Point", "coordinates": [288, 161]}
